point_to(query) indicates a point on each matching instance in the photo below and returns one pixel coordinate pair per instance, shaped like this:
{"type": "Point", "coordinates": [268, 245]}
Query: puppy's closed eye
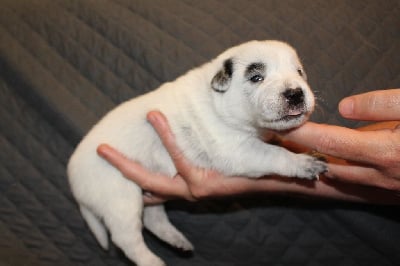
{"type": "Point", "coordinates": [301, 73]}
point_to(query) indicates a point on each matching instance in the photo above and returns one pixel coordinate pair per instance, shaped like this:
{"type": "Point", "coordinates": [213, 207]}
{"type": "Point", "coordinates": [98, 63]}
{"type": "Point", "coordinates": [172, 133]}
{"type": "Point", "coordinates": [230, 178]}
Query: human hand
{"type": "Point", "coordinates": [193, 183]}
{"type": "Point", "coordinates": [368, 156]}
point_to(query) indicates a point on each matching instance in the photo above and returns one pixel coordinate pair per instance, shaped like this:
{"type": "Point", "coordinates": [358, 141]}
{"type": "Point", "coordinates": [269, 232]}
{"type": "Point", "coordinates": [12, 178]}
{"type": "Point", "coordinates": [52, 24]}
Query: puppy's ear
{"type": "Point", "coordinates": [222, 80]}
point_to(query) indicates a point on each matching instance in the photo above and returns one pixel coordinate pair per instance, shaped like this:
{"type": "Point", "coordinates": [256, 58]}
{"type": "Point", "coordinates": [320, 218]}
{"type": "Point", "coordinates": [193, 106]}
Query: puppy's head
{"type": "Point", "coordinates": [261, 84]}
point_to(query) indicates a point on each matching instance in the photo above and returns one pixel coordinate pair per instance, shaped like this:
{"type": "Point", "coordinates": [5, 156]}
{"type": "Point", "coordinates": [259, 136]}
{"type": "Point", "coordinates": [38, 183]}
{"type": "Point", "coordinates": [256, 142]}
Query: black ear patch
{"type": "Point", "coordinates": [222, 80]}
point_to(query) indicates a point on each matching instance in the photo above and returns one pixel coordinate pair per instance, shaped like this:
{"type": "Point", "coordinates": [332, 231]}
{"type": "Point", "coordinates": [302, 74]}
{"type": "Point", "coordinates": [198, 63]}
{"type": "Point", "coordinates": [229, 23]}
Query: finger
{"type": "Point", "coordinates": [153, 199]}
{"type": "Point", "coordinates": [160, 124]}
{"type": "Point", "coordinates": [391, 125]}
{"type": "Point", "coordinates": [324, 189]}
{"type": "Point", "coordinates": [154, 183]}
{"type": "Point", "coordinates": [130, 169]}
{"type": "Point", "coordinates": [372, 147]}
{"type": "Point", "coordinates": [354, 192]}
{"type": "Point", "coordinates": [362, 175]}
{"type": "Point", "coordinates": [372, 106]}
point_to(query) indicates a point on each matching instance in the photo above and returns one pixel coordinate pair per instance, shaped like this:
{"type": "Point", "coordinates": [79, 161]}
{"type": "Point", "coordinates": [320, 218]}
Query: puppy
{"type": "Point", "coordinates": [219, 113]}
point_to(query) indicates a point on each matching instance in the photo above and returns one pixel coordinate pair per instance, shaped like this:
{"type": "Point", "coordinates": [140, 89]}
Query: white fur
{"type": "Point", "coordinates": [219, 130]}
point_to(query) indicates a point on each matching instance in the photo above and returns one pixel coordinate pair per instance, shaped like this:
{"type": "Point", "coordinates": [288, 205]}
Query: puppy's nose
{"type": "Point", "coordinates": [294, 97]}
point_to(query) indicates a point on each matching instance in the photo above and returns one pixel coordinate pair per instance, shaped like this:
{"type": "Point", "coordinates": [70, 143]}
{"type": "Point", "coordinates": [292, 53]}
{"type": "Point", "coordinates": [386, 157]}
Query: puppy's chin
{"type": "Point", "coordinates": [284, 122]}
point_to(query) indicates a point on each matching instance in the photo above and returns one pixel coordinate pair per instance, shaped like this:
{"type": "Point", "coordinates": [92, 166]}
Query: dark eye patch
{"type": "Point", "coordinates": [259, 67]}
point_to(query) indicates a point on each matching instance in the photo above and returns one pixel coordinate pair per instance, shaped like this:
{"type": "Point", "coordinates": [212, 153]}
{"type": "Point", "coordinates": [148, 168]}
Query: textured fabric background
{"type": "Point", "coordinates": [64, 63]}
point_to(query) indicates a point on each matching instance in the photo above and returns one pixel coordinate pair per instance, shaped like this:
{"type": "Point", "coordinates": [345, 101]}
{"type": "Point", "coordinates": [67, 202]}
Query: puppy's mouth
{"type": "Point", "coordinates": [290, 117]}
{"type": "Point", "coordinates": [287, 120]}
{"type": "Point", "coordinates": [292, 114]}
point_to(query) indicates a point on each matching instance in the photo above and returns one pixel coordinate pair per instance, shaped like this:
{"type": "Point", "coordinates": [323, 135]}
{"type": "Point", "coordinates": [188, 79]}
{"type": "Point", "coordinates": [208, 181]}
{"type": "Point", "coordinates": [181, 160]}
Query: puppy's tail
{"type": "Point", "coordinates": [156, 221]}
{"type": "Point", "coordinates": [96, 226]}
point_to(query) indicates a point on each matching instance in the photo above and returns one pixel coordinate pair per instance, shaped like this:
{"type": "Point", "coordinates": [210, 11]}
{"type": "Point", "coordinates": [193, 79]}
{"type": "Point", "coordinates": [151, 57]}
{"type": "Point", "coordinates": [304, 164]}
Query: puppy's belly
{"type": "Point", "coordinates": [126, 129]}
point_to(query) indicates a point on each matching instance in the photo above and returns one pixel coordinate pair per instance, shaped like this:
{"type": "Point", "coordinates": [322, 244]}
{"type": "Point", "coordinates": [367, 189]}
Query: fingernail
{"type": "Point", "coordinates": [346, 107]}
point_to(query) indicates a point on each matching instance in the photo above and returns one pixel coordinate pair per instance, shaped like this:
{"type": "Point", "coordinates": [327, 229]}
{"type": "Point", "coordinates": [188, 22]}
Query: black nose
{"type": "Point", "coordinates": [294, 97]}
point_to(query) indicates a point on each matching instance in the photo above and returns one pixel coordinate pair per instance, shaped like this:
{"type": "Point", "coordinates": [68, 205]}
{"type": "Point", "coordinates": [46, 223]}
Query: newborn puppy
{"type": "Point", "coordinates": [219, 113]}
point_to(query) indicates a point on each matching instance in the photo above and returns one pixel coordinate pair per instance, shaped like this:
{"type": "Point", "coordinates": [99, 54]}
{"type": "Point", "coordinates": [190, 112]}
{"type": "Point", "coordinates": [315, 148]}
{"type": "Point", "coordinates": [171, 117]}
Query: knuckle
{"type": "Point", "coordinates": [390, 157]}
{"type": "Point", "coordinates": [146, 185]}
{"type": "Point", "coordinates": [128, 173]}
{"type": "Point", "coordinates": [389, 161]}
{"type": "Point", "coordinates": [191, 198]}
{"type": "Point", "coordinates": [177, 155]}
{"type": "Point", "coordinates": [179, 159]}
{"type": "Point", "coordinates": [325, 143]}
{"type": "Point", "coordinates": [199, 192]}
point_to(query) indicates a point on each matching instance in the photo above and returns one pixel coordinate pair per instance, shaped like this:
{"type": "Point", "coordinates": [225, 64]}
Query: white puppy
{"type": "Point", "coordinates": [218, 113]}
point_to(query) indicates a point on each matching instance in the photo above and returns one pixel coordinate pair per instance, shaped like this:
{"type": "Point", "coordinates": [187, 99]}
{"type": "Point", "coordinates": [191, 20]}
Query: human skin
{"type": "Point", "coordinates": [364, 164]}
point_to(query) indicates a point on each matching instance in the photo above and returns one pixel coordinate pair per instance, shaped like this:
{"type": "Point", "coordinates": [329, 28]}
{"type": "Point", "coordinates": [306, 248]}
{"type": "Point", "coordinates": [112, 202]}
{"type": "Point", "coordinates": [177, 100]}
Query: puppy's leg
{"type": "Point", "coordinates": [95, 226]}
{"type": "Point", "coordinates": [256, 158]}
{"type": "Point", "coordinates": [156, 221]}
{"type": "Point", "coordinates": [125, 224]}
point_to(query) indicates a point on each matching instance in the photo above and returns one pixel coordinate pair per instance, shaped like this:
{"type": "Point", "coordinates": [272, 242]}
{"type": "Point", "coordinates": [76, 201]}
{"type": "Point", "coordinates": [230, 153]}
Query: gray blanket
{"type": "Point", "coordinates": [65, 63]}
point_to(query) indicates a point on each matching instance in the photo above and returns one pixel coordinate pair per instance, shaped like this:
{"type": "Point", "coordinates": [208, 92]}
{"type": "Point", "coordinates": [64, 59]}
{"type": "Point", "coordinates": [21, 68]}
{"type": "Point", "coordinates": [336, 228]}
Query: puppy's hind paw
{"type": "Point", "coordinates": [183, 244]}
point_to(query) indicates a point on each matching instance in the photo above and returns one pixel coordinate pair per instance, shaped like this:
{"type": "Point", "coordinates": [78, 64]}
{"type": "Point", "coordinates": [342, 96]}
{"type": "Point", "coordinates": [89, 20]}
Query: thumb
{"type": "Point", "coordinates": [372, 106]}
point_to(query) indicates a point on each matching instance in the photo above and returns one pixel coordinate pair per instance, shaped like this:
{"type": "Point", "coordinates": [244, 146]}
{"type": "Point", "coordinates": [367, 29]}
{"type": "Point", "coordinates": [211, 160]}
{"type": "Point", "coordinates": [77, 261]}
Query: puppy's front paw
{"type": "Point", "coordinates": [311, 167]}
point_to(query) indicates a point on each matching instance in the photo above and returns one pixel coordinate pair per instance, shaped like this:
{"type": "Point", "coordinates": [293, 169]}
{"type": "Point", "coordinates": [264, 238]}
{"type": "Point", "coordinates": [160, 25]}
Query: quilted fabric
{"type": "Point", "coordinates": [64, 63]}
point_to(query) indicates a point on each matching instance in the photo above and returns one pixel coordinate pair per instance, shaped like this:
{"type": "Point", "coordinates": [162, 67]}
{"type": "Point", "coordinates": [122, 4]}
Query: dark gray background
{"type": "Point", "coordinates": [64, 63]}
